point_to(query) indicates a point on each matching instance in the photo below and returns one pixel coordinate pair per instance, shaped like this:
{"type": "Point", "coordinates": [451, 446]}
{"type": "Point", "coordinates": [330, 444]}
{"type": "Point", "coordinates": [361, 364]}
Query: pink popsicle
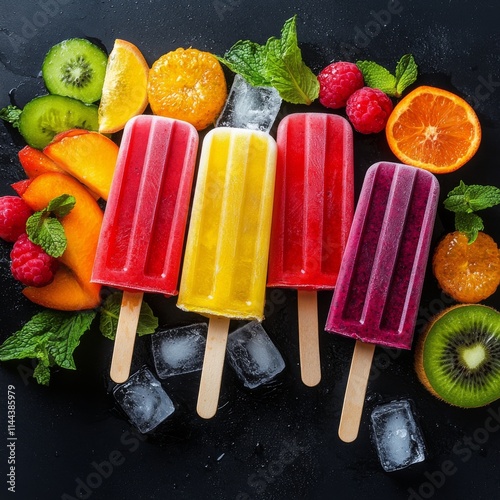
{"type": "Point", "coordinates": [378, 291]}
{"type": "Point", "coordinates": [142, 235]}
{"type": "Point", "coordinates": [313, 210]}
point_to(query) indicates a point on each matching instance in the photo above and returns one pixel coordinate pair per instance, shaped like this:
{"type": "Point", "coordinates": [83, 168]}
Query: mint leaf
{"type": "Point", "coordinates": [47, 232]}
{"type": "Point", "coordinates": [468, 199]}
{"type": "Point", "coordinates": [44, 229]}
{"type": "Point", "coordinates": [470, 224]}
{"type": "Point", "coordinates": [464, 200]}
{"type": "Point", "coordinates": [50, 337]}
{"type": "Point", "coordinates": [110, 311]}
{"type": "Point", "coordinates": [406, 73]}
{"type": "Point", "coordinates": [286, 70]}
{"type": "Point", "coordinates": [276, 64]}
{"type": "Point", "coordinates": [62, 205]}
{"type": "Point", "coordinates": [247, 59]}
{"type": "Point", "coordinates": [377, 77]}
{"type": "Point", "coordinates": [11, 114]}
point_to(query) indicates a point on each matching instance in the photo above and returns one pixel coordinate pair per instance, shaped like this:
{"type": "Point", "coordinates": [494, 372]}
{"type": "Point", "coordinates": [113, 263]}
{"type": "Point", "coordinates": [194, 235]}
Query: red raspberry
{"type": "Point", "coordinates": [368, 110]}
{"type": "Point", "coordinates": [30, 264]}
{"type": "Point", "coordinates": [337, 82]}
{"type": "Point", "coordinates": [14, 213]}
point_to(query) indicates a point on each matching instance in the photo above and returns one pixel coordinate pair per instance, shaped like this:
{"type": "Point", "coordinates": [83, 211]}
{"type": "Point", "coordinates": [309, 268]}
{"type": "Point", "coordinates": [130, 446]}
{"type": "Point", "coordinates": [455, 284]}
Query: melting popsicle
{"type": "Point", "coordinates": [312, 215]}
{"type": "Point", "coordinates": [142, 235]}
{"type": "Point", "coordinates": [378, 290]}
{"type": "Point", "coordinates": [225, 262]}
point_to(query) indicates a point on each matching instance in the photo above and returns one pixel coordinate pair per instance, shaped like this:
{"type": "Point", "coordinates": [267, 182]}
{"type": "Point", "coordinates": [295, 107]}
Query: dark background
{"type": "Point", "coordinates": [280, 442]}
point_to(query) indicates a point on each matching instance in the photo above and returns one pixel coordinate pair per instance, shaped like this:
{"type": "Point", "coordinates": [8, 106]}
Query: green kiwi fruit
{"type": "Point", "coordinates": [75, 68]}
{"type": "Point", "coordinates": [44, 117]}
{"type": "Point", "coordinates": [458, 357]}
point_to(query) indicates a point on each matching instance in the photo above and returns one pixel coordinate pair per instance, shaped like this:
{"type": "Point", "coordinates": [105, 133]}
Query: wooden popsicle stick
{"type": "Point", "coordinates": [355, 392]}
{"type": "Point", "coordinates": [310, 364]}
{"type": "Point", "coordinates": [213, 364]}
{"type": "Point", "coordinates": [125, 336]}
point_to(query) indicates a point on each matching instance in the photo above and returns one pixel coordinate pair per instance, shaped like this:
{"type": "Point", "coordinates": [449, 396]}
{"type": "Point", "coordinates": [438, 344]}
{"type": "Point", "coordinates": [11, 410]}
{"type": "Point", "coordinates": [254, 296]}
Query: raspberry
{"type": "Point", "coordinates": [368, 110]}
{"type": "Point", "coordinates": [337, 82]}
{"type": "Point", "coordinates": [14, 213]}
{"type": "Point", "coordinates": [30, 264]}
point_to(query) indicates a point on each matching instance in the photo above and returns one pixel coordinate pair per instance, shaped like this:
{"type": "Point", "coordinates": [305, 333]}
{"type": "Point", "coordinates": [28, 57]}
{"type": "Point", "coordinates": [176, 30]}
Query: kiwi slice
{"type": "Point", "coordinates": [458, 357]}
{"type": "Point", "coordinates": [75, 68]}
{"type": "Point", "coordinates": [44, 117]}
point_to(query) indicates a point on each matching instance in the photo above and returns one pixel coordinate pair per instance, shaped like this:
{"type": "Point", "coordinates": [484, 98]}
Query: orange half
{"type": "Point", "coordinates": [125, 90]}
{"type": "Point", "coordinates": [187, 84]}
{"type": "Point", "coordinates": [433, 129]}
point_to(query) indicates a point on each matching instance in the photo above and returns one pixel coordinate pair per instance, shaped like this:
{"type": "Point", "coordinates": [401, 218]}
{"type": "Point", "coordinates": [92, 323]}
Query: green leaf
{"type": "Point", "coordinates": [288, 73]}
{"type": "Point", "coordinates": [470, 224]}
{"type": "Point", "coordinates": [247, 59]}
{"type": "Point", "coordinates": [50, 337]}
{"type": "Point", "coordinates": [44, 229]}
{"type": "Point", "coordinates": [468, 199]}
{"type": "Point", "coordinates": [377, 77]}
{"type": "Point", "coordinates": [67, 337]}
{"type": "Point", "coordinates": [47, 232]}
{"type": "Point", "coordinates": [11, 114]}
{"type": "Point", "coordinates": [465, 200]}
{"type": "Point", "coordinates": [110, 312]}
{"type": "Point", "coordinates": [42, 373]}
{"type": "Point", "coordinates": [406, 73]}
{"type": "Point", "coordinates": [278, 63]}
{"type": "Point", "coordinates": [62, 205]}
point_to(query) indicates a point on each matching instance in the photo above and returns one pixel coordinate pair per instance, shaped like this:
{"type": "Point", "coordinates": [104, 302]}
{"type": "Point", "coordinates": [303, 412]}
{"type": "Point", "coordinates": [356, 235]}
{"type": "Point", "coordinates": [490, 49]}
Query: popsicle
{"type": "Point", "coordinates": [378, 290]}
{"type": "Point", "coordinates": [225, 262]}
{"type": "Point", "coordinates": [142, 235]}
{"type": "Point", "coordinates": [312, 215]}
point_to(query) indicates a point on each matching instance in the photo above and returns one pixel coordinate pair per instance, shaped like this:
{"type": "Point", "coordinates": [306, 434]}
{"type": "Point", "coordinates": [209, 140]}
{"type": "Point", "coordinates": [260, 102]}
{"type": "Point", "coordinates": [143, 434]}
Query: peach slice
{"type": "Point", "coordinates": [71, 289]}
{"type": "Point", "coordinates": [34, 162]}
{"type": "Point", "coordinates": [90, 157]}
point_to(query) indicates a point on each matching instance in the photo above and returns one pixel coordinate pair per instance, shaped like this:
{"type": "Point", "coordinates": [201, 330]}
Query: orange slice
{"type": "Point", "coordinates": [189, 85]}
{"type": "Point", "coordinates": [433, 129]}
{"type": "Point", "coordinates": [124, 94]}
{"type": "Point", "coordinates": [467, 272]}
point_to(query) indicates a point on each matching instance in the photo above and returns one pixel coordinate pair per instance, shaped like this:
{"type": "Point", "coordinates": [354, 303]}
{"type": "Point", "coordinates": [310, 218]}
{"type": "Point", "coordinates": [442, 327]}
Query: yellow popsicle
{"type": "Point", "coordinates": [225, 263]}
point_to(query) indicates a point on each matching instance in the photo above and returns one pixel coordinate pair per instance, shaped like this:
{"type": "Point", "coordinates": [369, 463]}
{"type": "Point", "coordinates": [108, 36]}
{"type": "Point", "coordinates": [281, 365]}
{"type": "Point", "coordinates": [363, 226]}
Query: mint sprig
{"type": "Point", "coordinates": [110, 311]}
{"type": "Point", "coordinates": [276, 64]}
{"type": "Point", "coordinates": [465, 200]}
{"type": "Point", "coordinates": [11, 114]}
{"type": "Point", "coordinates": [50, 337]}
{"type": "Point", "coordinates": [378, 77]}
{"type": "Point", "coordinates": [45, 229]}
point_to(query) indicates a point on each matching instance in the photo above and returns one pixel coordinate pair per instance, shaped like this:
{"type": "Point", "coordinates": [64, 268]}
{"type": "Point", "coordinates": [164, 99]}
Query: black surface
{"type": "Point", "coordinates": [281, 443]}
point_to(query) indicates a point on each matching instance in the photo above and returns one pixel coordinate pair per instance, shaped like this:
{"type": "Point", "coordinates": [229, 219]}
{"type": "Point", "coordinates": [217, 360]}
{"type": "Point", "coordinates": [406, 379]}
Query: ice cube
{"type": "Point", "coordinates": [179, 350]}
{"type": "Point", "coordinates": [253, 356]}
{"type": "Point", "coordinates": [250, 107]}
{"type": "Point", "coordinates": [144, 400]}
{"type": "Point", "coordinates": [397, 436]}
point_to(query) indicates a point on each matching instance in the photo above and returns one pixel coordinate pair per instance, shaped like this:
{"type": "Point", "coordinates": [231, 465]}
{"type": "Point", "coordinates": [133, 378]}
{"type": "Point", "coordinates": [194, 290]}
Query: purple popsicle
{"type": "Point", "coordinates": [378, 290]}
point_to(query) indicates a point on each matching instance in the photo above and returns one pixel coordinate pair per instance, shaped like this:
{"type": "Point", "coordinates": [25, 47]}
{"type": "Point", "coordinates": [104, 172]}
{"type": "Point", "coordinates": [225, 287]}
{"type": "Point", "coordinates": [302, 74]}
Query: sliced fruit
{"type": "Point", "coordinates": [21, 186]}
{"type": "Point", "coordinates": [433, 129]}
{"type": "Point", "coordinates": [468, 272]}
{"type": "Point", "coordinates": [187, 84]}
{"type": "Point", "coordinates": [75, 68]}
{"type": "Point", "coordinates": [458, 357]}
{"type": "Point", "coordinates": [125, 90]}
{"type": "Point", "coordinates": [71, 288]}
{"type": "Point", "coordinates": [91, 158]}
{"type": "Point", "coordinates": [34, 162]}
{"type": "Point", "coordinates": [45, 116]}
